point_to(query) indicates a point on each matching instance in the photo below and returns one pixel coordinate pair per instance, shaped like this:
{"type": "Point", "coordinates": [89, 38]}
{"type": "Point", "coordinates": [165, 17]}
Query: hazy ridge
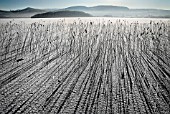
{"type": "Point", "coordinates": [62, 14]}
{"type": "Point", "coordinates": [98, 11]}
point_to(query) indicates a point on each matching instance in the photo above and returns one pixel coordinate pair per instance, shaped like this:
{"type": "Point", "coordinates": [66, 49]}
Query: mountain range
{"type": "Point", "coordinates": [59, 14]}
{"type": "Point", "coordinates": [23, 13]}
{"type": "Point", "coordinates": [97, 11]}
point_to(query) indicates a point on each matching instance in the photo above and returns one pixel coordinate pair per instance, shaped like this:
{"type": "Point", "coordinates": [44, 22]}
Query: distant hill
{"type": "Point", "coordinates": [76, 8]}
{"type": "Point", "coordinates": [98, 8]}
{"type": "Point", "coordinates": [120, 11]}
{"type": "Point", "coordinates": [62, 14]}
{"type": "Point", "coordinates": [51, 9]}
{"type": "Point", "coordinates": [98, 11]}
{"type": "Point", "coordinates": [23, 13]}
{"type": "Point", "coordinates": [27, 10]}
{"type": "Point", "coordinates": [2, 11]}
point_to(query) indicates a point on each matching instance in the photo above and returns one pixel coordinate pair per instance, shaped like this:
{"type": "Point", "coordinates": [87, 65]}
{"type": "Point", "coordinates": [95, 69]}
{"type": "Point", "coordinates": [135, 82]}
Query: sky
{"type": "Point", "coordinates": [44, 4]}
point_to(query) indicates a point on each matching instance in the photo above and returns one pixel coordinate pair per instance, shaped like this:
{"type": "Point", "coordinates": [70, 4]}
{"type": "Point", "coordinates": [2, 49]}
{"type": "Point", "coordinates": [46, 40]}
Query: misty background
{"type": "Point", "coordinates": [95, 8]}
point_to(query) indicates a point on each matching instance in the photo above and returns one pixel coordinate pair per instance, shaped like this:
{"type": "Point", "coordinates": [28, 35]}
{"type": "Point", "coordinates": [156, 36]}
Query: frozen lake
{"type": "Point", "coordinates": [70, 20]}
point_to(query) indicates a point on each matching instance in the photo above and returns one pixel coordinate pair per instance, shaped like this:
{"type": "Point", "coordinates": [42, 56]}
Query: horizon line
{"type": "Point", "coordinates": [79, 5]}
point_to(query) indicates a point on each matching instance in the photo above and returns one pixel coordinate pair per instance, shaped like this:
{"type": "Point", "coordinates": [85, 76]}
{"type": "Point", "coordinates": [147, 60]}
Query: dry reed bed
{"type": "Point", "coordinates": [85, 67]}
